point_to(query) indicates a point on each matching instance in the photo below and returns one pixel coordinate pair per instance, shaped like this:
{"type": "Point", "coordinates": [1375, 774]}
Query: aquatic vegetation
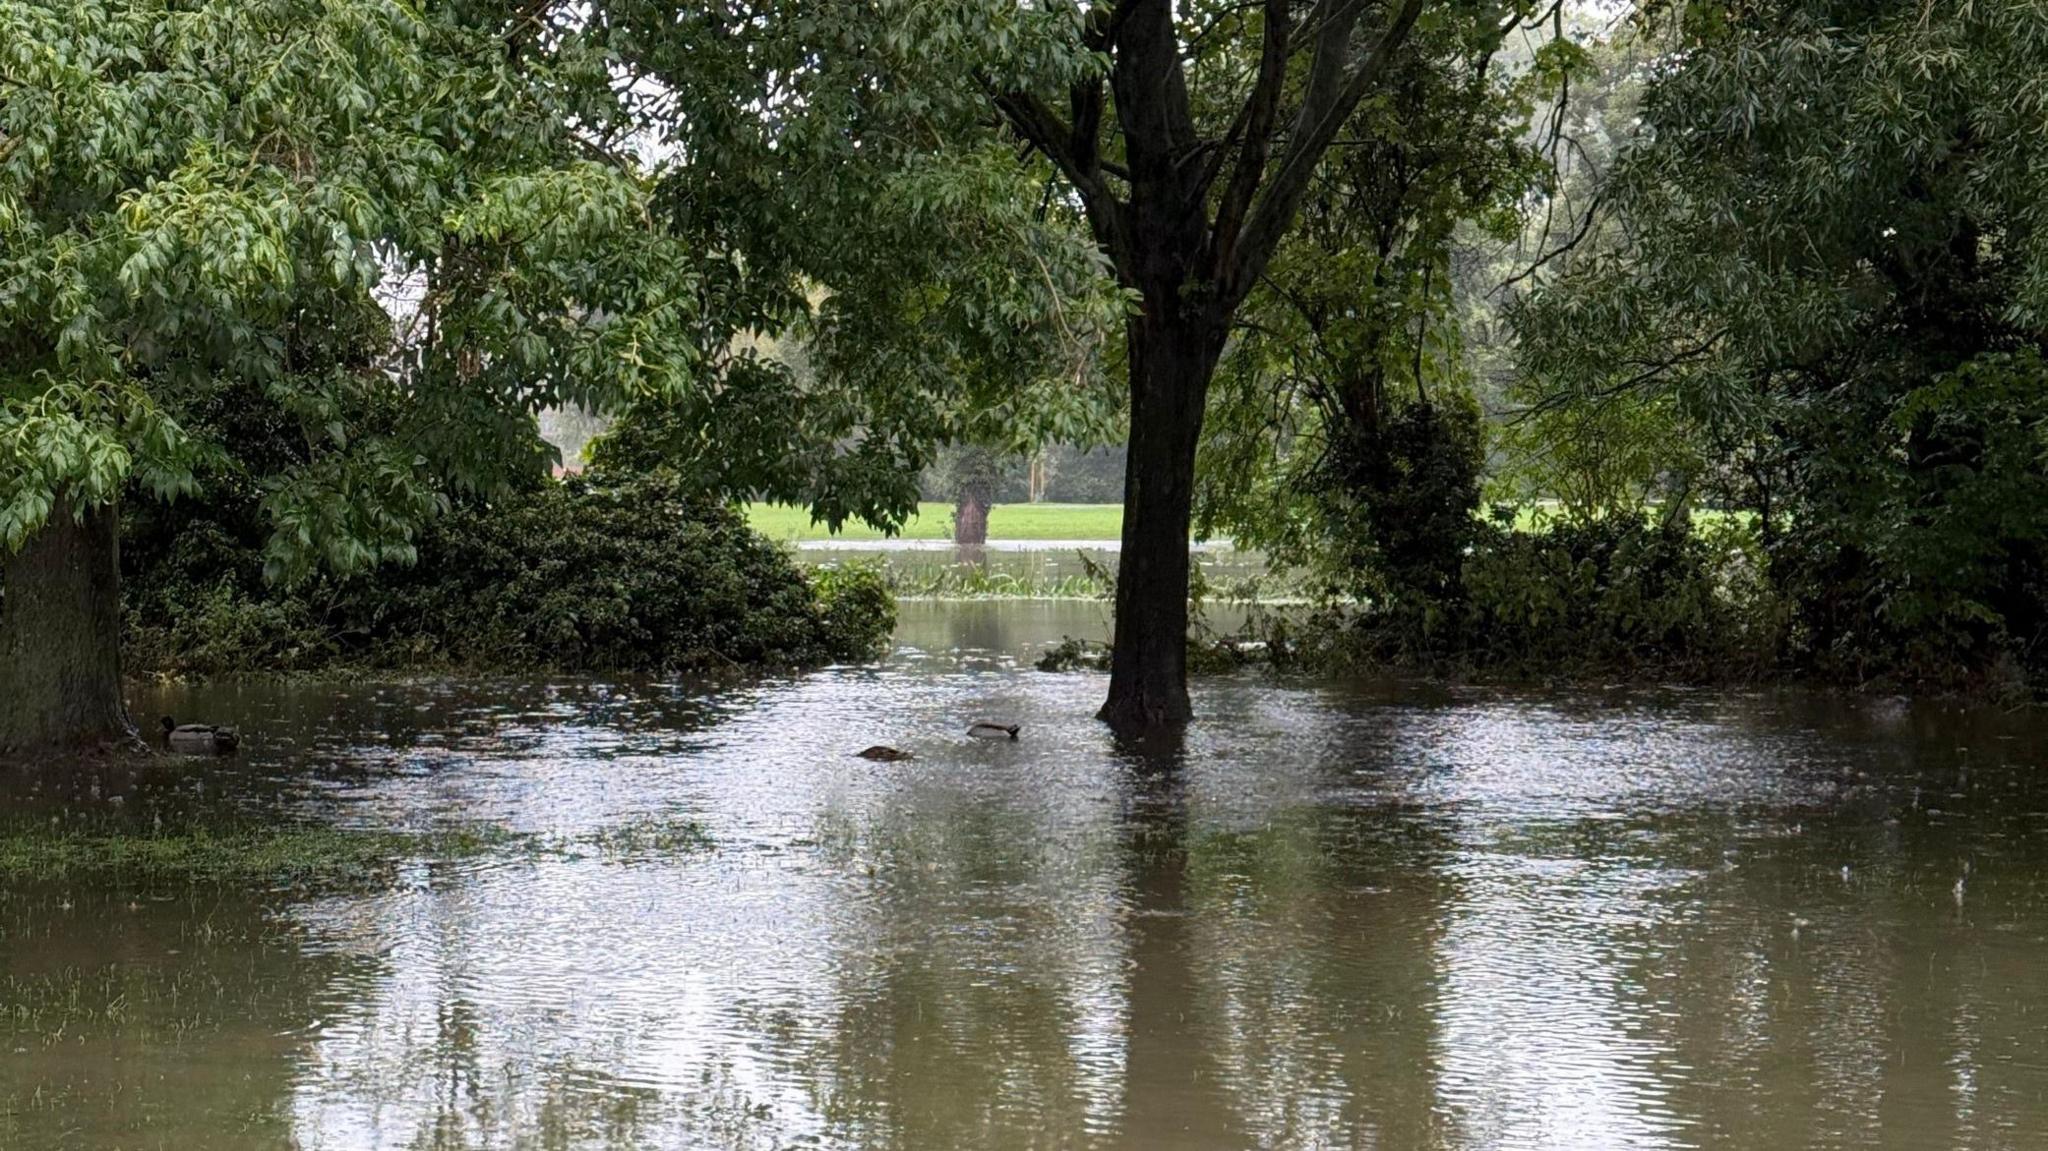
{"type": "Point", "coordinates": [295, 855]}
{"type": "Point", "coordinates": [281, 855]}
{"type": "Point", "coordinates": [1072, 654]}
{"type": "Point", "coordinates": [652, 839]}
{"type": "Point", "coordinates": [974, 581]}
{"type": "Point", "coordinates": [1094, 581]}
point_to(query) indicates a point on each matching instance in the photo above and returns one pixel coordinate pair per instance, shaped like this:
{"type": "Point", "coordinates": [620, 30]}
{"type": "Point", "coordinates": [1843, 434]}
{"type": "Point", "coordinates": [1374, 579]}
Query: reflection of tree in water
{"type": "Point", "coordinates": [1281, 976]}
{"type": "Point", "coordinates": [975, 995]}
{"type": "Point", "coordinates": [1133, 978]}
{"type": "Point", "coordinates": [1173, 1074]}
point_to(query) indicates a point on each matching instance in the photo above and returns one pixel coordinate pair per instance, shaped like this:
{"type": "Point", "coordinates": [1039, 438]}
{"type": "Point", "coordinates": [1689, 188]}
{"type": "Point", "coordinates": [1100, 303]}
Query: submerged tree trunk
{"type": "Point", "coordinates": [970, 517]}
{"type": "Point", "coordinates": [1170, 364]}
{"type": "Point", "coordinates": [60, 636]}
{"type": "Point", "coordinates": [1201, 219]}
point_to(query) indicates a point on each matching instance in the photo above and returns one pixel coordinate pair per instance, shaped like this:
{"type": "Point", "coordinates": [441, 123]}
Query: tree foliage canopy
{"type": "Point", "coordinates": [398, 226]}
{"type": "Point", "coordinates": [1829, 271]}
{"type": "Point", "coordinates": [836, 171]}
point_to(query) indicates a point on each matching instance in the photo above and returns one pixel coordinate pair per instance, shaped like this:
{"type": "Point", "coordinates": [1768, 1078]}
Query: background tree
{"type": "Point", "coordinates": [1187, 141]}
{"type": "Point", "coordinates": [972, 475]}
{"type": "Point", "coordinates": [1342, 438]}
{"type": "Point", "coordinates": [205, 204]}
{"type": "Point", "coordinates": [1834, 273]}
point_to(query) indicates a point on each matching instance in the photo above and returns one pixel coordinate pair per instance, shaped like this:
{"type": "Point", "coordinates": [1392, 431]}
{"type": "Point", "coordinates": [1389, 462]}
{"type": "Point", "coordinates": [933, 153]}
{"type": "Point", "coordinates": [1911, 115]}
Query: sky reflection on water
{"type": "Point", "coordinates": [1357, 915]}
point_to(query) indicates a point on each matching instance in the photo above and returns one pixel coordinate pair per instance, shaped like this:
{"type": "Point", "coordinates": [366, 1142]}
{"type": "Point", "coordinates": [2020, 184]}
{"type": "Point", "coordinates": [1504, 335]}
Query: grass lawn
{"type": "Point", "coordinates": [934, 521]}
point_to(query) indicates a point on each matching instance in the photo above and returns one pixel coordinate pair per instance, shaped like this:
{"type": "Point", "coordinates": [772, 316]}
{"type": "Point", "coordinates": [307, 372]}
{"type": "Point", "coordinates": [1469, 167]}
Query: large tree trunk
{"type": "Point", "coordinates": [970, 518]}
{"type": "Point", "coordinates": [1170, 365]}
{"type": "Point", "coordinates": [60, 636]}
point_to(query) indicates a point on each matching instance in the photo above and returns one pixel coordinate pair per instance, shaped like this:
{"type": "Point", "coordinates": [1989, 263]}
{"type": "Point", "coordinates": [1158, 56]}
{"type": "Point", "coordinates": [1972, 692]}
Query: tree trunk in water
{"type": "Point", "coordinates": [970, 519]}
{"type": "Point", "coordinates": [60, 636]}
{"type": "Point", "coordinates": [1170, 368]}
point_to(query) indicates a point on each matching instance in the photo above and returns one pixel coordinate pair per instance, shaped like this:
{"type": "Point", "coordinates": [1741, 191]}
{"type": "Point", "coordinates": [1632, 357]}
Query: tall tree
{"type": "Point", "coordinates": [1187, 141]}
{"type": "Point", "coordinates": [1830, 262]}
{"type": "Point", "coordinates": [377, 216]}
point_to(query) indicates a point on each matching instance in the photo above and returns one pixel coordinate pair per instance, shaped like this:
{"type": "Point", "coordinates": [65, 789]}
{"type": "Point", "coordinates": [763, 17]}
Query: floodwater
{"type": "Point", "coordinates": [1337, 916]}
{"type": "Point", "coordinates": [1036, 564]}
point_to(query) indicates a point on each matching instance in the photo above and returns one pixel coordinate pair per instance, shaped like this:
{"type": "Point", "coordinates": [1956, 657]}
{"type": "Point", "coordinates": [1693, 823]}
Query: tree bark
{"type": "Point", "coordinates": [970, 519]}
{"type": "Point", "coordinates": [60, 636]}
{"type": "Point", "coordinates": [1171, 365]}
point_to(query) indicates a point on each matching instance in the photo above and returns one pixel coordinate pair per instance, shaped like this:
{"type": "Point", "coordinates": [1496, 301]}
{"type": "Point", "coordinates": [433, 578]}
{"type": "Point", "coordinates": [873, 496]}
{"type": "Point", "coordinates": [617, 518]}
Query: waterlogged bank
{"type": "Point", "coordinates": [1342, 915]}
{"type": "Point", "coordinates": [1025, 569]}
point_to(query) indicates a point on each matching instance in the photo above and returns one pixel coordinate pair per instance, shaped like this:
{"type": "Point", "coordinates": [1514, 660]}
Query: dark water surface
{"type": "Point", "coordinates": [1356, 916]}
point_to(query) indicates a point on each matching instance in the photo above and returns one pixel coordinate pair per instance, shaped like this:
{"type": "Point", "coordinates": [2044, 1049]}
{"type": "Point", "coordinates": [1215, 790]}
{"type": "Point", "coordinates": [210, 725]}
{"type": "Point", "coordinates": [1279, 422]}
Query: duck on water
{"type": "Point", "coordinates": [199, 738]}
{"type": "Point", "coordinates": [885, 754]}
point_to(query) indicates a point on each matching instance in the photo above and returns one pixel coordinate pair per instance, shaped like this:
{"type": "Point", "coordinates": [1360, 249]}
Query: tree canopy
{"type": "Point", "coordinates": [1828, 272]}
{"type": "Point", "coordinates": [400, 227]}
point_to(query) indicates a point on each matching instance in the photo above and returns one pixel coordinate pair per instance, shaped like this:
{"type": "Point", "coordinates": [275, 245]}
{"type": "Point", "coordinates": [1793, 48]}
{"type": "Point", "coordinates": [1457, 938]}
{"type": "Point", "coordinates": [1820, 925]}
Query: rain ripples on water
{"type": "Point", "coordinates": [1337, 915]}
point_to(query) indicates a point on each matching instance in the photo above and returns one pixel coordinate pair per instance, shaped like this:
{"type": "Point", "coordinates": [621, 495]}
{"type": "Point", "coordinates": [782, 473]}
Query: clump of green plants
{"type": "Point", "coordinates": [973, 581]}
{"type": "Point", "coordinates": [1072, 654]}
{"type": "Point", "coordinates": [1574, 597]}
{"type": "Point", "coordinates": [296, 854]}
{"type": "Point", "coordinates": [283, 855]}
{"type": "Point", "coordinates": [651, 839]}
{"type": "Point", "coordinates": [635, 574]}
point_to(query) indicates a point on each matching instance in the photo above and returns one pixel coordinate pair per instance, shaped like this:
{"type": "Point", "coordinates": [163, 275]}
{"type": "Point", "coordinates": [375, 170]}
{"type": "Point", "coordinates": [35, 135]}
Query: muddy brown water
{"type": "Point", "coordinates": [1350, 915]}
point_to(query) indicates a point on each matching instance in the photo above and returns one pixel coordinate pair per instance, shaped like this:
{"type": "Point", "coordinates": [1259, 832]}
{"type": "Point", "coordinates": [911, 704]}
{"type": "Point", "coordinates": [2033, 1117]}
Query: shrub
{"type": "Point", "coordinates": [635, 575]}
{"type": "Point", "coordinates": [1615, 595]}
{"type": "Point", "coordinates": [1919, 554]}
{"type": "Point", "coordinates": [859, 612]}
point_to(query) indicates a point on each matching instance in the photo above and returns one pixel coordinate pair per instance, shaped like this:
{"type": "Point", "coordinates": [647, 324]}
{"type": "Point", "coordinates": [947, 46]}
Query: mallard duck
{"type": "Point", "coordinates": [993, 731]}
{"type": "Point", "coordinates": [884, 753]}
{"type": "Point", "coordinates": [199, 738]}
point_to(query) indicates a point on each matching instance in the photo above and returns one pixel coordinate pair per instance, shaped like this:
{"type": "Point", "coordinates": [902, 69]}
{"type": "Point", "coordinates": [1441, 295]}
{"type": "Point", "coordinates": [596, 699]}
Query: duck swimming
{"type": "Point", "coordinates": [993, 731]}
{"type": "Point", "coordinates": [199, 738]}
{"type": "Point", "coordinates": [884, 754]}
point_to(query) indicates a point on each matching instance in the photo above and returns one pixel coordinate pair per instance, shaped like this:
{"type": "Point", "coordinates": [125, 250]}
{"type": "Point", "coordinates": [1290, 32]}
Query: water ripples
{"type": "Point", "coordinates": [1358, 915]}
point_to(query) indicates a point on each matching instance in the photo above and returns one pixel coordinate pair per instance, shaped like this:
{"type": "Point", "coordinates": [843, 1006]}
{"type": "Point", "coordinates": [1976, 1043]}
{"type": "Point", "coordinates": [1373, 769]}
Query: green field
{"type": "Point", "coordinates": [934, 521]}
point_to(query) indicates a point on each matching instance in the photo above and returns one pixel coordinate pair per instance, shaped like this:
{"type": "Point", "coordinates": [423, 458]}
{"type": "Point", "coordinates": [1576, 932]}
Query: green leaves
{"type": "Point", "coordinates": [1822, 300]}
{"type": "Point", "coordinates": [373, 218]}
{"type": "Point", "coordinates": [83, 441]}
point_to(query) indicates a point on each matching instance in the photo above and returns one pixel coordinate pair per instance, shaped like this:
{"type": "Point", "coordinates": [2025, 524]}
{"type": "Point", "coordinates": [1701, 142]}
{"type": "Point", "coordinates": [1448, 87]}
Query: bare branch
{"type": "Point", "coordinates": [1651, 370]}
{"type": "Point", "coordinates": [1260, 115]}
{"type": "Point", "coordinates": [1328, 103]}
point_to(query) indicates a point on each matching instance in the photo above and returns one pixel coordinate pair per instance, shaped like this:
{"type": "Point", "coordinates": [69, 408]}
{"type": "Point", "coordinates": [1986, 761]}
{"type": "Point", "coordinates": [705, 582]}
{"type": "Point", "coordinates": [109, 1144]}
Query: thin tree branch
{"type": "Point", "coordinates": [1039, 125]}
{"type": "Point", "coordinates": [1261, 114]}
{"type": "Point", "coordinates": [1328, 103]}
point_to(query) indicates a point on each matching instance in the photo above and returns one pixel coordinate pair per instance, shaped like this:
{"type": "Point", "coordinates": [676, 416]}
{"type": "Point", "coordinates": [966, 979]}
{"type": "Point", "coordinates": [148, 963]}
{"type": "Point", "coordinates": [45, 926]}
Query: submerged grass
{"type": "Point", "coordinates": [285, 854]}
{"type": "Point", "coordinates": [1096, 580]}
{"type": "Point", "coordinates": [972, 581]}
{"type": "Point", "coordinates": [299, 854]}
